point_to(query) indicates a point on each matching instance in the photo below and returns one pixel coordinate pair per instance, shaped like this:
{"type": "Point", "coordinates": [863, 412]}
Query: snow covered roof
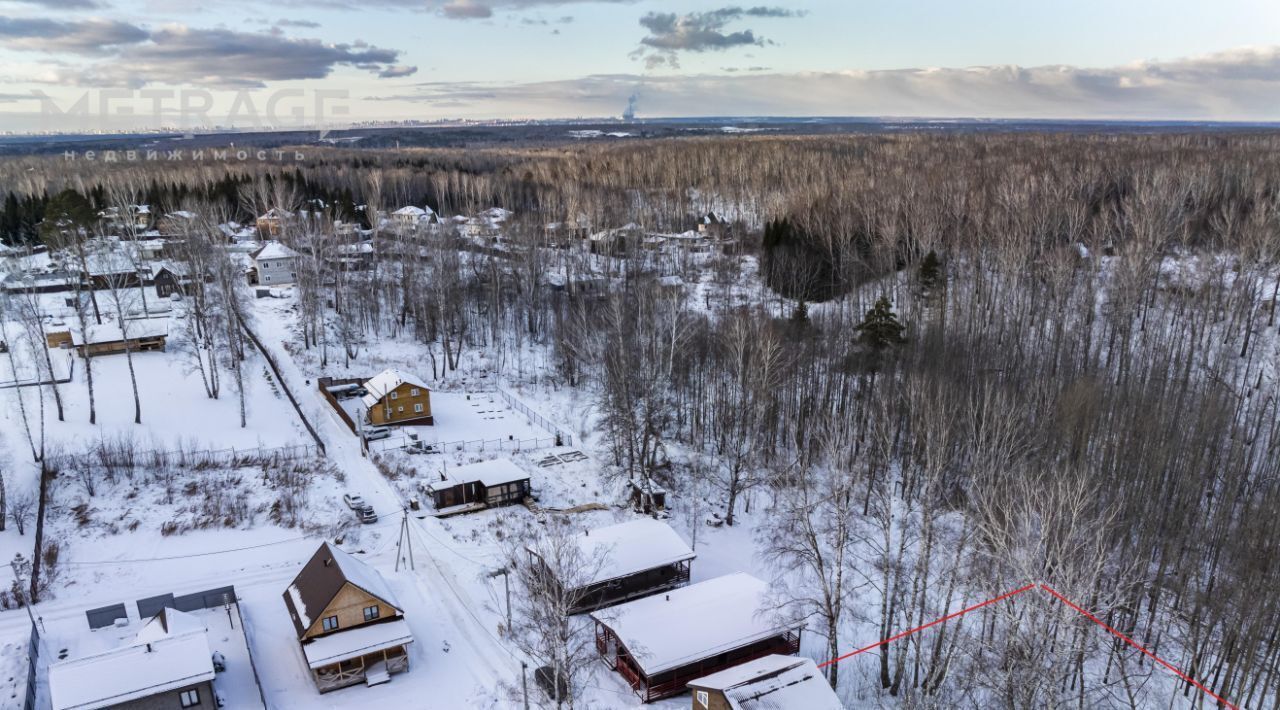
{"type": "Point", "coordinates": [320, 580]}
{"type": "Point", "coordinates": [773, 683]}
{"type": "Point", "coordinates": [488, 473]}
{"type": "Point", "coordinates": [169, 622]}
{"type": "Point", "coordinates": [409, 211]}
{"type": "Point", "coordinates": [627, 548]}
{"type": "Point", "coordinates": [382, 383]}
{"type": "Point", "coordinates": [274, 250]}
{"type": "Point", "coordinates": [153, 664]}
{"type": "Point", "coordinates": [356, 641]}
{"type": "Point", "coordinates": [111, 332]}
{"type": "Point", "coordinates": [276, 213]}
{"type": "Point", "coordinates": [672, 629]}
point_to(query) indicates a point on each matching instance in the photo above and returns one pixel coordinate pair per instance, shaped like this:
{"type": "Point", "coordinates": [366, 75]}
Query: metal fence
{"type": "Point", "coordinates": [566, 438]}
{"type": "Point", "coordinates": [437, 447]}
{"type": "Point", "coordinates": [119, 454]}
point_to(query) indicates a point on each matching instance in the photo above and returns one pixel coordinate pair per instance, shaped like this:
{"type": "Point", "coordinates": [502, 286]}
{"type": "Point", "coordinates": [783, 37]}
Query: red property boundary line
{"type": "Point", "coordinates": [1073, 606]}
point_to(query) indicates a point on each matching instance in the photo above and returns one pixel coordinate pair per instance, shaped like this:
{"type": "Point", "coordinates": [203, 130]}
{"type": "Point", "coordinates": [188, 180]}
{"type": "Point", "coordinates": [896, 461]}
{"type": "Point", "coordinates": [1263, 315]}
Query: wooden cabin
{"type": "Point", "coordinates": [109, 339]}
{"type": "Point", "coordinates": [273, 221]}
{"type": "Point", "coordinates": [480, 485]}
{"type": "Point", "coordinates": [349, 624]}
{"type": "Point", "coordinates": [660, 643]}
{"type": "Point", "coordinates": [627, 561]}
{"type": "Point", "coordinates": [766, 683]}
{"type": "Point", "coordinates": [174, 277]}
{"type": "Point", "coordinates": [396, 397]}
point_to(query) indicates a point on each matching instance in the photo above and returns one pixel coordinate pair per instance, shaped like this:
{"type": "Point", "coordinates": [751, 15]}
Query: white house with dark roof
{"type": "Point", "coordinates": [168, 664]}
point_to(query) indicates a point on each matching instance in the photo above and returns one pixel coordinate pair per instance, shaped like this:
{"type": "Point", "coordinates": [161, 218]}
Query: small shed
{"type": "Point", "coordinates": [659, 644]}
{"type": "Point", "coordinates": [766, 683]}
{"type": "Point", "coordinates": [491, 483]}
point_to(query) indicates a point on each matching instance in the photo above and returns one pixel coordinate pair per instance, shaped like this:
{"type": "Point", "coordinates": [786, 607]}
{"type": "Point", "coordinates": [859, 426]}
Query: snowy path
{"type": "Point", "coordinates": [456, 617]}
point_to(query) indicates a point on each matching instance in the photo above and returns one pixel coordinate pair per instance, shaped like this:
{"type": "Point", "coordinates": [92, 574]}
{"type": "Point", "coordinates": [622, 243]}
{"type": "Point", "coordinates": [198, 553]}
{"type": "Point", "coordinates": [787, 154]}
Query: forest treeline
{"type": "Point", "coordinates": [1083, 391]}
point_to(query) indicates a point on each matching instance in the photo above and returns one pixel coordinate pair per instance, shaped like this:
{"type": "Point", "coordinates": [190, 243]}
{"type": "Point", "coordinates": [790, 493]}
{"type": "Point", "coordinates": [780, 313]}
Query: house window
{"type": "Point", "coordinates": [417, 408]}
{"type": "Point", "coordinates": [330, 623]}
{"type": "Point", "coordinates": [371, 612]}
{"type": "Point", "coordinates": [189, 698]}
{"type": "Point", "coordinates": [413, 392]}
{"type": "Point", "coordinates": [395, 395]}
{"type": "Point", "coordinates": [266, 279]}
{"type": "Point", "coordinates": [704, 699]}
{"type": "Point", "coordinates": [399, 409]}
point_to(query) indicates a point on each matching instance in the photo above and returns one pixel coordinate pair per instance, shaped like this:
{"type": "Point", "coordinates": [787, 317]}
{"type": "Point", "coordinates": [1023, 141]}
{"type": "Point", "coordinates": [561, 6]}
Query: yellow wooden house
{"type": "Point", "coordinates": [351, 628]}
{"type": "Point", "coordinates": [395, 397]}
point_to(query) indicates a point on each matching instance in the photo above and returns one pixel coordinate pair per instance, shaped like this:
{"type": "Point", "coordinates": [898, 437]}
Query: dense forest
{"type": "Point", "coordinates": [948, 365]}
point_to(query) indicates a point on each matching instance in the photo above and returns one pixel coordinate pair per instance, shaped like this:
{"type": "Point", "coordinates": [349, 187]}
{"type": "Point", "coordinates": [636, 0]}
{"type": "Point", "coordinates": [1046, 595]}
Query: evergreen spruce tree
{"type": "Point", "coordinates": [930, 271]}
{"type": "Point", "coordinates": [881, 329]}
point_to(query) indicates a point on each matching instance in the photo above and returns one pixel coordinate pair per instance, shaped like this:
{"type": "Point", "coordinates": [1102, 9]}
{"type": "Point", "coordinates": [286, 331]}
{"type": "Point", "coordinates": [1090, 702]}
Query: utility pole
{"type": "Point", "coordinates": [405, 539]}
{"type": "Point", "coordinates": [524, 683]}
{"type": "Point", "coordinates": [506, 584]}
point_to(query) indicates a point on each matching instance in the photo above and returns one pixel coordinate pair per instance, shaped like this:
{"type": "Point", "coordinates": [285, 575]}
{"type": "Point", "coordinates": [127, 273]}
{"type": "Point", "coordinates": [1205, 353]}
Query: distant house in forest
{"type": "Point", "coordinates": [768, 683]}
{"type": "Point", "coordinates": [273, 221]}
{"type": "Point", "coordinates": [414, 217]}
{"type": "Point", "coordinates": [174, 277]}
{"type": "Point", "coordinates": [660, 643]}
{"type": "Point", "coordinates": [396, 397]}
{"type": "Point", "coordinates": [713, 226]}
{"type": "Point", "coordinates": [275, 264]}
{"type": "Point", "coordinates": [627, 561]}
{"type": "Point", "coordinates": [348, 622]}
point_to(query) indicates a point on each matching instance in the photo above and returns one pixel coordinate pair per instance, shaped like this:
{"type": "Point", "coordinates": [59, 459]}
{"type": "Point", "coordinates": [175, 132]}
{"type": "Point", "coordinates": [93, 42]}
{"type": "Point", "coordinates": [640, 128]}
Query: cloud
{"type": "Point", "coordinates": [177, 55]}
{"type": "Point", "coordinates": [670, 33]}
{"type": "Point", "coordinates": [93, 36]}
{"type": "Point", "coordinates": [65, 4]}
{"type": "Point", "coordinates": [396, 72]}
{"type": "Point", "coordinates": [1233, 85]}
{"type": "Point", "coordinates": [482, 9]}
{"type": "Point", "coordinates": [466, 10]}
{"type": "Point", "coordinates": [308, 24]}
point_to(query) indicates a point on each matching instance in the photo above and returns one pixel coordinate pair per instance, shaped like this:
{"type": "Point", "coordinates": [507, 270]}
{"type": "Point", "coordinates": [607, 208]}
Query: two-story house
{"type": "Point", "coordinates": [349, 624]}
{"type": "Point", "coordinates": [395, 397]}
{"type": "Point", "coordinates": [275, 264]}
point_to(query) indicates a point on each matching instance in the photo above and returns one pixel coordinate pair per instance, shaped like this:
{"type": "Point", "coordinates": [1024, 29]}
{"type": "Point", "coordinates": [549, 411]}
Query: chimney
{"type": "Point", "coordinates": [148, 648]}
{"type": "Point", "coordinates": [668, 597]}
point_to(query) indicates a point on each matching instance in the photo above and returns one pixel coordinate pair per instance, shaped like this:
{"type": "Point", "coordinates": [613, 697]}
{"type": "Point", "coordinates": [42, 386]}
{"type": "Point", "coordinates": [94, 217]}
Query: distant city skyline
{"type": "Point", "coordinates": [118, 64]}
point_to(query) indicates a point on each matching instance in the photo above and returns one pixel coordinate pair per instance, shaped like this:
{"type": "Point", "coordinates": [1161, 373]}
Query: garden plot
{"type": "Point", "coordinates": [475, 422]}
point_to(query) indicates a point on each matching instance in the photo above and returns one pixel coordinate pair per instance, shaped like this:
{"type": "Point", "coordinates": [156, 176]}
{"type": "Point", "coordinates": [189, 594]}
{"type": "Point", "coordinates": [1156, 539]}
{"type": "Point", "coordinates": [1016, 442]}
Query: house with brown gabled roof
{"type": "Point", "coordinates": [396, 397]}
{"type": "Point", "coordinates": [349, 624]}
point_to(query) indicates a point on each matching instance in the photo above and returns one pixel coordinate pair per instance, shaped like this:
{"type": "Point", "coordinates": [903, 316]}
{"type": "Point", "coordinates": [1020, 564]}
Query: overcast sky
{"type": "Point", "coordinates": [136, 61]}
